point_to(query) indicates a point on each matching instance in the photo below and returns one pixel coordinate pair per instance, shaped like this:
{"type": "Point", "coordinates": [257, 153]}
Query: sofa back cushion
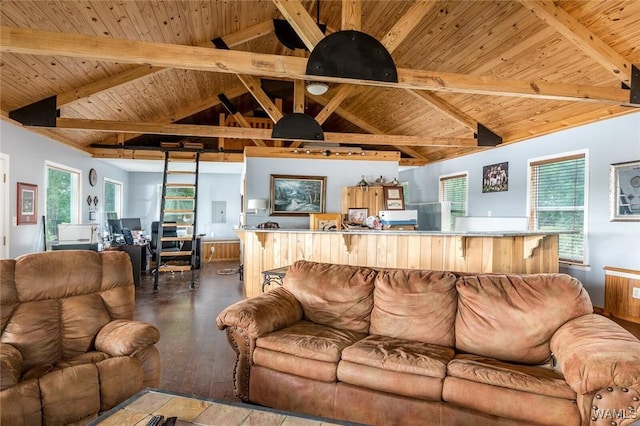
{"type": "Point", "coordinates": [58, 301]}
{"type": "Point", "coordinates": [338, 296]}
{"type": "Point", "coordinates": [415, 305]}
{"type": "Point", "coordinates": [512, 317]}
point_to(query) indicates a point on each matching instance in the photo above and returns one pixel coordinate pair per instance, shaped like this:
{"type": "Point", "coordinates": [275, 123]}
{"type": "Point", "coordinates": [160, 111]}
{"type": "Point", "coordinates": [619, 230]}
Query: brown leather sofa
{"type": "Point", "coordinates": [400, 347]}
{"type": "Point", "coordinates": [69, 348]}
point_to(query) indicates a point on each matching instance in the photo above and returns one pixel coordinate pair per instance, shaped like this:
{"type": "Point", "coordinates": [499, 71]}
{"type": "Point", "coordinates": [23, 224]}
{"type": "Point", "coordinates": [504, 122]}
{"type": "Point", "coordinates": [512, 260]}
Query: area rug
{"type": "Point", "coordinates": [229, 271]}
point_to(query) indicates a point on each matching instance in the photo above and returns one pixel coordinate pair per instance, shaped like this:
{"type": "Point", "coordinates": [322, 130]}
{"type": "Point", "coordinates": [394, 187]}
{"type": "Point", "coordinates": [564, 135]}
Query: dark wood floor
{"type": "Point", "coordinates": [196, 358]}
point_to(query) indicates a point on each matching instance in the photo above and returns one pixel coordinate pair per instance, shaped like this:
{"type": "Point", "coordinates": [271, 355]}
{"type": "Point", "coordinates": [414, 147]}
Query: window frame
{"type": "Point", "coordinates": [450, 176]}
{"type": "Point", "coordinates": [104, 196]}
{"type": "Point", "coordinates": [556, 158]}
{"type": "Point", "coordinates": [76, 213]}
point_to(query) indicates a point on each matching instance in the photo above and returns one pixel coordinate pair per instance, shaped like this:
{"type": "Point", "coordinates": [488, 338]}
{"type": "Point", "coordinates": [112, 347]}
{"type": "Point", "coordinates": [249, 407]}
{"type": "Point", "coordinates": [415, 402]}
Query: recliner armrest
{"type": "Point", "coordinates": [125, 337]}
{"type": "Point", "coordinates": [594, 352]}
{"type": "Point", "coordinates": [262, 314]}
{"type": "Point", "coordinates": [10, 365]}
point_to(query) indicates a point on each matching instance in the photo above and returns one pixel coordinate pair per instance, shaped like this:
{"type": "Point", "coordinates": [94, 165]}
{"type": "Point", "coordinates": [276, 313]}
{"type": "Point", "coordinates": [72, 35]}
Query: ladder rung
{"type": "Point", "coordinates": [182, 160]}
{"type": "Point", "coordinates": [178, 211]}
{"type": "Point", "coordinates": [174, 224]}
{"type": "Point", "coordinates": [168, 197]}
{"type": "Point", "coordinates": [181, 172]}
{"type": "Point", "coordinates": [176, 268]}
{"type": "Point", "coordinates": [175, 253]}
{"type": "Point", "coordinates": [181, 185]}
{"type": "Point", "coordinates": [176, 239]}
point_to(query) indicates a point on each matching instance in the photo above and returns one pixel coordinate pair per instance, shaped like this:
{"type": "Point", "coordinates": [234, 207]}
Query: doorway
{"type": "Point", "coordinates": [5, 214]}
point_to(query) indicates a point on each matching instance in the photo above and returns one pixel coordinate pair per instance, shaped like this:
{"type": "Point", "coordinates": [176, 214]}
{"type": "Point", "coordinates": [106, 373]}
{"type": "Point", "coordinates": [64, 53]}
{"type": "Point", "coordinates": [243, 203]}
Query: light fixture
{"type": "Point", "coordinates": [317, 88]}
{"type": "Point", "coordinates": [257, 204]}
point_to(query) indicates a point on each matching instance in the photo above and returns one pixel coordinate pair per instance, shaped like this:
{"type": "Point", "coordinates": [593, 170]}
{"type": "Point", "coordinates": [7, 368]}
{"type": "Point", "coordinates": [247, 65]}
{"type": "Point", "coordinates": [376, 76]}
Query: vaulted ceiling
{"type": "Point", "coordinates": [118, 78]}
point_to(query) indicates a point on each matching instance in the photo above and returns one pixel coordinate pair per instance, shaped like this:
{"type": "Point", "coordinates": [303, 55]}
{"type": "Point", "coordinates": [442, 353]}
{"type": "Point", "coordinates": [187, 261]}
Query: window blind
{"type": "Point", "coordinates": [557, 195]}
{"type": "Point", "coordinates": [454, 190]}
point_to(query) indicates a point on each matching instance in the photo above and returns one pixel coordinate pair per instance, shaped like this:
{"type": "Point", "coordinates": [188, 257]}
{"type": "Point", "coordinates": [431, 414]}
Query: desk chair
{"type": "Point", "coordinates": [167, 246]}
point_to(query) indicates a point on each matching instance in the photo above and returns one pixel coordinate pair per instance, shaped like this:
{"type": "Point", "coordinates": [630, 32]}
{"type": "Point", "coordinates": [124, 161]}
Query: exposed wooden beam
{"type": "Point", "coordinates": [268, 152]}
{"type": "Point", "coordinates": [253, 86]}
{"type": "Point", "coordinates": [109, 83]}
{"type": "Point", "coordinates": [37, 42]}
{"type": "Point", "coordinates": [368, 127]}
{"type": "Point", "coordinates": [130, 153]}
{"type": "Point", "coordinates": [406, 24]}
{"type": "Point", "coordinates": [244, 133]}
{"type": "Point", "coordinates": [447, 108]}
{"type": "Point", "coordinates": [300, 20]}
{"type": "Point", "coordinates": [351, 15]}
{"type": "Point", "coordinates": [558, 18]}
{"type": "Point", "coordinates": [184, 113]}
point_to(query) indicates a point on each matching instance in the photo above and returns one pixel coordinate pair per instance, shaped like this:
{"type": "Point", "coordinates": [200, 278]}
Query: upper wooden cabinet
{"type": "Point", "coordinates": [368, 197]}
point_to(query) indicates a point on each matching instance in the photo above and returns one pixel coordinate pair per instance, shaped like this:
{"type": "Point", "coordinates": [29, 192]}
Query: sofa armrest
{"type": "Point", "coordinates": [594, 352]}
{"type": "Point", "coordinates": [125, 337]}
{"type": "Point", "coordinates": [262, 314]}
{"type": "Point", "coordinates": [10, 365]}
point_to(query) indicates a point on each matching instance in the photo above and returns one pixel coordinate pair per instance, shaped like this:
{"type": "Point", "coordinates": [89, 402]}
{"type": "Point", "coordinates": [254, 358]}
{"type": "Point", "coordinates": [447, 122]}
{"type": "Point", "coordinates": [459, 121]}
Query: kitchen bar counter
{"type": "Point", "coordinates": [496, 252]}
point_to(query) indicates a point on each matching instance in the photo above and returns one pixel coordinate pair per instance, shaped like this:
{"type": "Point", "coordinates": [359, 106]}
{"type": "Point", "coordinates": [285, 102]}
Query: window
{"type": "Point", "coordinates": [112, 199]}
{"type": "Point", "coordinates": [453, 188]}
{"type": "Point", "coordinates": [179, 205]}
{"type": "Point", "coordinates": [62, 199]}
{"type": "Point", "coordinates": [557, 189]}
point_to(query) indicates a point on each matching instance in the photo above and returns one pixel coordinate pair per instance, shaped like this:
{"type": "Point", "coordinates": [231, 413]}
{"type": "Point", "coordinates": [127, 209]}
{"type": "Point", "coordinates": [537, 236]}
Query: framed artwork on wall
{"type": "Point", "coordinates": [495, 177]}
{"type": "Point", "coordinates": [27, 205]}
{"type": "Point", "coordinates": [292, 195]}
{"type": "Point", "coordinates": [393, 198]}
{"type": "Point", "coordinates": [624, 191]}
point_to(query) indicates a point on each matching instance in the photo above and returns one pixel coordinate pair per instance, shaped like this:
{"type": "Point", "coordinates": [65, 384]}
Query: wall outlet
{"type": "Point", "coordinates": [636, 293]}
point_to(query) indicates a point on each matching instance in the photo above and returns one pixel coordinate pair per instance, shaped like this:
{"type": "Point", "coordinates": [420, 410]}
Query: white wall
{"type": "Point", "coordinates": [28, 152]}
{"type": "Point", "coordinates": [339, 173]}
{"type": "Point", "coordinates": [143, 201]}
{"type": "Point", "coordinates": [609, 141]}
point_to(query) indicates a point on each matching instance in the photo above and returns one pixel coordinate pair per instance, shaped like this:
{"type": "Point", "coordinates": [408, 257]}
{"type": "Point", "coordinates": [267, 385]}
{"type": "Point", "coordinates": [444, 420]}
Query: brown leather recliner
{"type": "Point", "coordinates": [69, 348]}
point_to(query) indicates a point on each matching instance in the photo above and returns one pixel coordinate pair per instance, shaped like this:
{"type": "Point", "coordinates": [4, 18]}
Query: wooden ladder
{"type": "Point", "coordinates": [178, 209]}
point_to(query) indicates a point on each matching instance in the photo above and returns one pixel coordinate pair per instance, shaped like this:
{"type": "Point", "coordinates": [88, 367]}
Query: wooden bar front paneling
{"type": "Point", "coordinates": [618, 293]}
{"type": "Point", "coordinates": [413, 250]}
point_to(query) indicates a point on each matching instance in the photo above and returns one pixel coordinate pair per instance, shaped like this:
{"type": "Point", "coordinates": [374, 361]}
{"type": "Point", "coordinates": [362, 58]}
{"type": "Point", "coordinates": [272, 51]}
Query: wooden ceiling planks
{"type": "Point", "coordinates": [500, 39]}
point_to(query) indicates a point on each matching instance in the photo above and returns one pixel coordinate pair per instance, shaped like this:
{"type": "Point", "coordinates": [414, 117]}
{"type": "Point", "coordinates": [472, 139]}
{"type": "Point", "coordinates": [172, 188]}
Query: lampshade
{"type": "Point", "coordinates": [317, 88]}
{"type": "Point", "coordinates": [257, 204]}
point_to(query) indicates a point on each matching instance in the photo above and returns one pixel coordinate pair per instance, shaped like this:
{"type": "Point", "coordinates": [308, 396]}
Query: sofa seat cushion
{"type": "Point", "coordinates": [535, 379]}
{"type": "Point", "coordinates": [404, 367]}
{"type": "Point", "coordinates": [305, 349]}
{"type": "Point", "coordinates": [86, 358]}
{"type": "Point", "coordinates": [415, 305]}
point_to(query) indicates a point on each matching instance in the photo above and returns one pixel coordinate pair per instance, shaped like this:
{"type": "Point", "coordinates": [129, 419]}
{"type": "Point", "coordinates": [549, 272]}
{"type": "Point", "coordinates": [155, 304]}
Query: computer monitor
{"type": "Point", "coordinates": [131, 223]}
{"type": "Point", "coordinates": [115, 226]}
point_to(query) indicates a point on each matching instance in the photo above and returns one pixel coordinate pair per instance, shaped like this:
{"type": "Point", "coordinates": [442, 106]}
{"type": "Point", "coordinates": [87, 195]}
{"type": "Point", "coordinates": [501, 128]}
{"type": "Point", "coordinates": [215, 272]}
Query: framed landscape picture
{"type": "Point", "coordinates": [293, 195]}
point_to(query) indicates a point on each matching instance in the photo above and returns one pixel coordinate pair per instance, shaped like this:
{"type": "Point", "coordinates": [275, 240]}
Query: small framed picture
{"type": "Point", "coordinates": [325, 221]}
{"type": "Point", "coordinates": [27, 204]}
{"type": "Point", "coordinates": [357, 216]}
{"type": "Point", "coordinates": [394, 197]}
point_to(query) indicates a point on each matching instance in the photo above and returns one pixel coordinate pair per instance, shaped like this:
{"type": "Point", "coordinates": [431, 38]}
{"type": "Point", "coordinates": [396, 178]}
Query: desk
{"type": "Point", "coordinates": [138, 255]}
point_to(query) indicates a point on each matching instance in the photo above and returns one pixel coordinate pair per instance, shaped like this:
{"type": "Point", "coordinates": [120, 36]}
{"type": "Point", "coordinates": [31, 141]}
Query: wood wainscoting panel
{"type": "Point", "coordinates": [618, 293]}
{"type": "Point", "coordinates": [222, 250]}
